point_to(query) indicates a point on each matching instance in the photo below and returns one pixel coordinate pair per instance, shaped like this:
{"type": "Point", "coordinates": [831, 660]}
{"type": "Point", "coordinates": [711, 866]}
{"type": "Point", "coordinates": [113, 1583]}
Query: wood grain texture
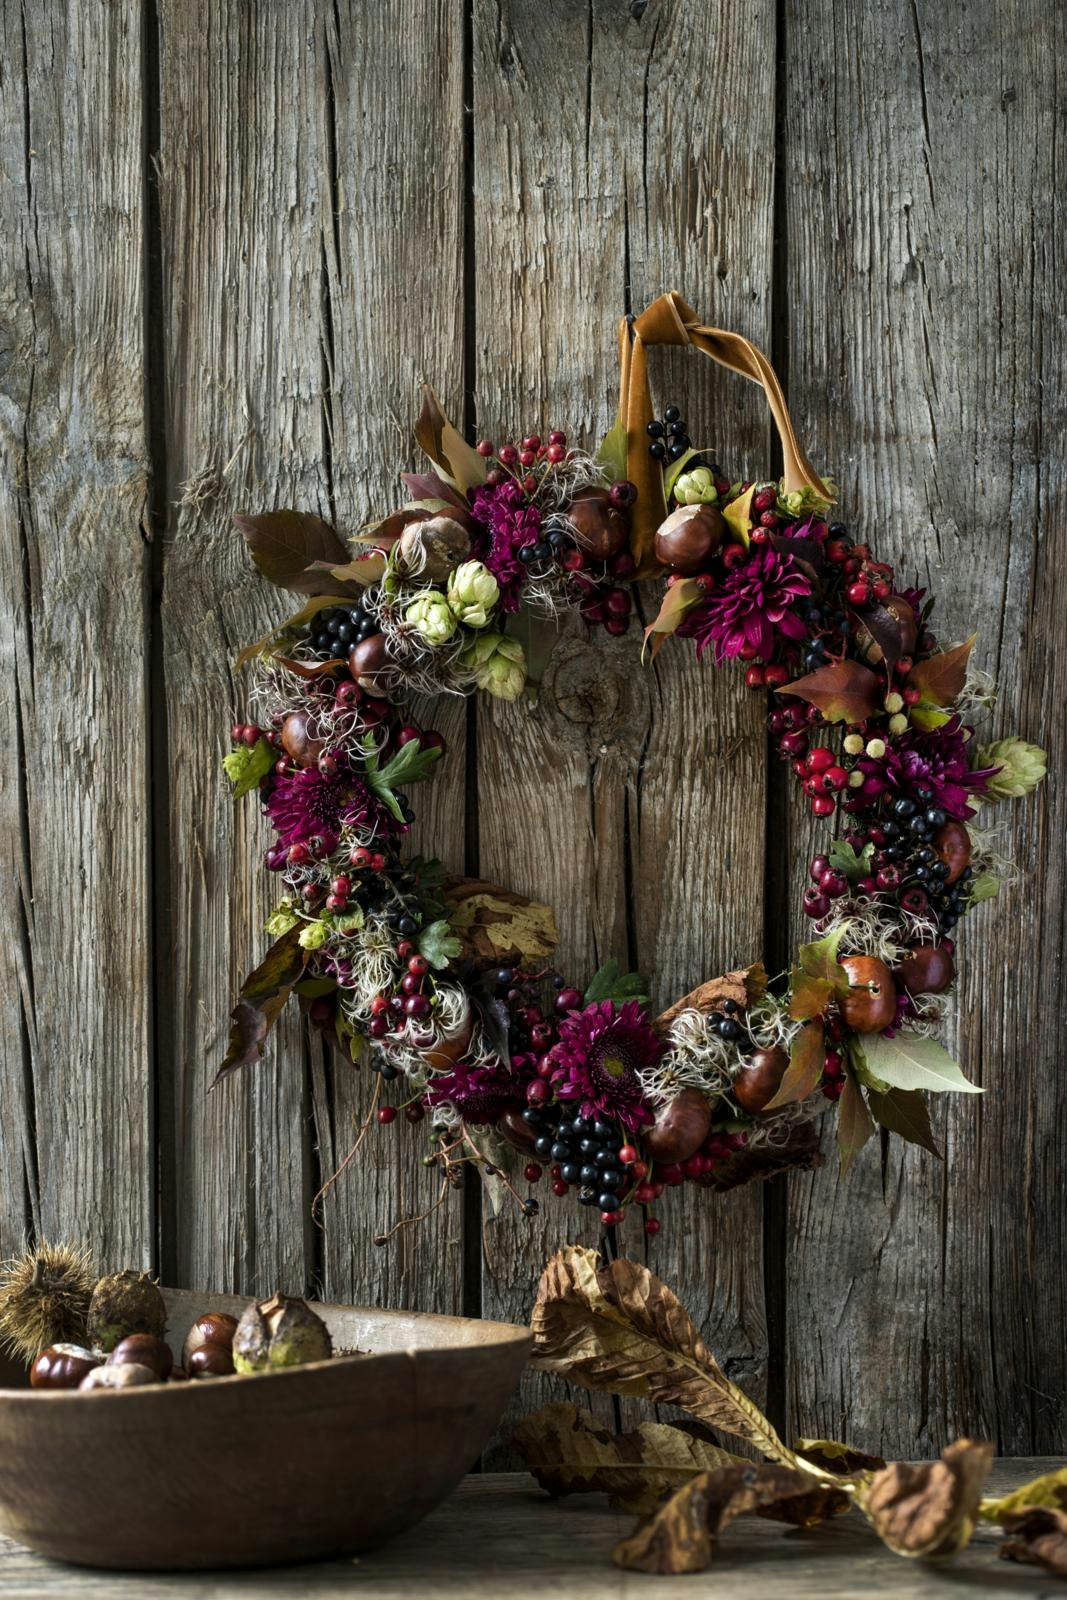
{"type": "Point", "coordinates": [924, 247]}
{"type": "Point", "coordinates": [75, 1071]}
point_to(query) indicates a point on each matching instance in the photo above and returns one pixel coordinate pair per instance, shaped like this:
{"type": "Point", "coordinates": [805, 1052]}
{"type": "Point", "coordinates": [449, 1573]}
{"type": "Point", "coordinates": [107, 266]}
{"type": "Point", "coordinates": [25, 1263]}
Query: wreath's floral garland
{"type": "Point", "coordinates": [450, 981]}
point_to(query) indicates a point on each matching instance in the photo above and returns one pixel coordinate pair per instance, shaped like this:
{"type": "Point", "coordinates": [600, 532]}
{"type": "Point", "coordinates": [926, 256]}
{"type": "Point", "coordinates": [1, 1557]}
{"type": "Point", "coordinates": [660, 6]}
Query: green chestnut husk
{"type": "Point", "coordinates": [279, 1332]}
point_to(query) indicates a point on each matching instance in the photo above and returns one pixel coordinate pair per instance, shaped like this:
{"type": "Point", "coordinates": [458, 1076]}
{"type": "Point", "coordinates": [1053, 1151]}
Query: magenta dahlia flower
{"type": "Point", "coordinates": [937, 761]}
{"type": "Point", "coordinates": [481, 1094]}
{"type": "Point", "coordinates": [753, 606]}
{"type": "Point", "coordinates": [506, 523]}
{"type": "Point", "coordinates": [598, 1056]}
{"type": "Point", "coordinates": [305, 803]}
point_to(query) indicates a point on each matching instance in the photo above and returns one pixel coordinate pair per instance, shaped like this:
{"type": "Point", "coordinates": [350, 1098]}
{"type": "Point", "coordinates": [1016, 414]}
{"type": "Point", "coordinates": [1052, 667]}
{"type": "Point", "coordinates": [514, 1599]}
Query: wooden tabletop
{"type": "Point", "coordinates": [499, 1535]}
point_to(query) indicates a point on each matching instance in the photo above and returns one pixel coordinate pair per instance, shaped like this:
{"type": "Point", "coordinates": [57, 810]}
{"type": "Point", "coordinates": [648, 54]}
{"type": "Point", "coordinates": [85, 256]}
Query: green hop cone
{"type": "Point", "coordinates": [800, 501]}
{"type": "Point", "coordinates": [313, 936]}
{"type": "Point", "coordinates": [472, 594]}
{"type": "Point", "coordinates": [498, 665]}
{"type": "Point", "coordinates": [1022, 767]}
{"type": "Point", "coordinates": [431, 617]}
{"type": "Point", "coordinates": [696, 488]}
{"type": "Point", "coordinates": [282, 918]}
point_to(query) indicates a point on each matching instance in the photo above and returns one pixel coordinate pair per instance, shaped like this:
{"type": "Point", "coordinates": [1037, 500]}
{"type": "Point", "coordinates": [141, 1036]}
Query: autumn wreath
{"type": "Point", "coordinates": [445, 986]}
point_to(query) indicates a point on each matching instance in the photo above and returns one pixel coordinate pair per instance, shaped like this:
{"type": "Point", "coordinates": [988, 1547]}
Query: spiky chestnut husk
{"type": "Point", "coordinates": [280, 1332]}
{"type": "Point", "coordinates": [44, 1299]}
{"type": "Point", "coordinates": [124, 1303]}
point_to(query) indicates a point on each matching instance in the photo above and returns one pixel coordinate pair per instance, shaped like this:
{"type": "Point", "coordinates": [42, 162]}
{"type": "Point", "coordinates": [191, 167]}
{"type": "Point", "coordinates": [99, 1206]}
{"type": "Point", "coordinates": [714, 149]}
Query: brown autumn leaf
{"type": "Point", "coordinates": [744, 986]}
{"type": "Point", "coordinates": [568, 1452]}
{"type": "Point", "coordinates": [843, 692]}
{"type": "Point", "coordinates": [263, 994]}
{"type": "Point", "coordinates": [854, 1124]}
{"type": "Point", "coordinates": [838, 1457]}
{"type": "Point", "coordinates": [617, 1327]}
{"type": "Point", "coordinates": [498, 927]}
{"type": "Point", "coordinates": [1040, 1539]}
{"type": "Point", "coordinates": [929, 1510]}
{"type": "Point", "coordinates": [681, 1535]}
{"type": "Point", "coordinates": [286, 545]}
{"type": "Point", "coordinates": [808, 995]}
{"type": "Point", "coordinates": [940, 678]}
{"type": "Point", "coordinates": [458, 460]}
{"type": "Point", "coordinates": [425, 486]}
{"type": "Point", "coordinates": [905, 1113]}
{"type": "Point", "coordinates": [679, 599]}
{"type": "Point", "coordinates": [888, 628]}
{"type": "Point", "coordinates": [805, 1067]}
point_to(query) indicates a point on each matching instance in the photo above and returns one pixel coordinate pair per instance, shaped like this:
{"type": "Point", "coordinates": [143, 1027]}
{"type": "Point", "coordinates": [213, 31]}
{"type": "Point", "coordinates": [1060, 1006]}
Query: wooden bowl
{"type": "Point", "coordinates": [319, 1460]}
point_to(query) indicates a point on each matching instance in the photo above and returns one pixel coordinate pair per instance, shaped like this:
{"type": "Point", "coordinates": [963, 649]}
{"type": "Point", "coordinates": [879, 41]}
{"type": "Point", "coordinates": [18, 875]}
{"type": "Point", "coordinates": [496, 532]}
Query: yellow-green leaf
{"type": "Point", "coordinates": [1049, 1490]}
{"type": "Point", "coordinates": [808, 996]}
{"type": "Point", "coordinates": [739, 515]}
{"type": "Point", "coordinates": [854, 1125]}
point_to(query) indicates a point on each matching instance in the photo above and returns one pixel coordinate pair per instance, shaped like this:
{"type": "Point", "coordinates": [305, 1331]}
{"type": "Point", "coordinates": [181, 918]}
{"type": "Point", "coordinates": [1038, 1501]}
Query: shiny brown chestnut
{"type": "Point", "coordinates": [952, 843]}
{"type": "Point", "coordinates": [601, 529]}
{"type": "Point", "coordinates": [518, 1133]}
{"type": "Point", "coordinates": [127, 1375]}
{"type": "Point", "coordinates": [369, 664]}
{"type": "Point", "coordinates": [759, 1078]}
{"type": "Point", "coordinates": [145, 1350]}
{"type": "Point", "coordinates": [871, 1002]}
{"type": "Point", "coordinates": [178, 1375]}
{"type": "Point", "coordinates": [680, 1128]}
{"type": "Point", "coordinates": [926, 969]}
{"type": "Point", "coordinates": [62, 1366]}
{"type": "Point", "coordinates": [689, 538]}
{"type": "Point", "coordinates": [297, 742]}
{"type": "Point", "coordinates": [211, 1327]}
{"type": "Point", "coordinates": [211, 1361]}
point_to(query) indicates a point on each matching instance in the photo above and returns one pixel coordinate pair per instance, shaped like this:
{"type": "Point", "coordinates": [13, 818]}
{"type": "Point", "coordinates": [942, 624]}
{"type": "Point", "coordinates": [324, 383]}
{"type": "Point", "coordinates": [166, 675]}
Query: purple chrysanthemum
{"type": "Point", "coordinates": [481, 1094]}
{"type": "Point", "coordinates": [936, 761]}
{"type": "Point", "coordinates": [305, 803]}
{"type": "Point", "coordinates": [753, 606]}
{"type": "Point", "coordinates": [506, 522]}
{"type": "Point", "coordinates": [598, 1056]}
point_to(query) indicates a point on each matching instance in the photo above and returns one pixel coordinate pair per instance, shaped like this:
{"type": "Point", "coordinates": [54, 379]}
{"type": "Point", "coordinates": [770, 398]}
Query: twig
{"type": "Point", "coordinates": [361, 1135]}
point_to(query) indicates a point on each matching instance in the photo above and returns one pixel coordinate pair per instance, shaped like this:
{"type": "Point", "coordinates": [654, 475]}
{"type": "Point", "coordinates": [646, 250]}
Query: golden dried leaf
{"type": "Point", "coordinates": [808, 996]}
{"type": "Point", "coordinates": [1049, 1490]}
{"type": "Point", "coordinates": [459, 462]}
{"type": "Point", "coordinates": [1040, 1539]}
{"type": "Point", "coordinates": [618, 1327]}
{"type": "Point", "coordinates": [680, 1536]}
{"type": "Point", "coordinates": [837, 1457]}
{"type": "Point", "coordinates": [568, 1452]}
{"type": "Point", "coordinates": [679, 599]}
{"type": "Point", "coordinates": [497, 927]}
{"type": "Point", "coordinates": [930, 1510]}
{"type": "Point", "coordinates": [805, 1067]}
{"type": "Point", "coordinates": [744, 987]}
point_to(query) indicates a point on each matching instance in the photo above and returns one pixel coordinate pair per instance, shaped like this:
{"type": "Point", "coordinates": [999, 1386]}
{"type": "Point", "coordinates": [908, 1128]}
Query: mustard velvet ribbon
{"type": "Point", "coordinates": [669, 320]}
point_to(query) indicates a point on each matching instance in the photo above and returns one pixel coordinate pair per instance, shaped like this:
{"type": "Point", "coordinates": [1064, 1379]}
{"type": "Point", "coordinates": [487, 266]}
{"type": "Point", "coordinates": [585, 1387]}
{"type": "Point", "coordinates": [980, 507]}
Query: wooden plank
{"type": "Point", "coordinates": [75, 1090]}
{"type": "Point", "coordinates": [579, 174]}
{"type": "Point", "coordinates": [499, 1532]}
{"type": "Point", "coordinates": [924, 299]}
{"type": "Point", "coordinates": [245, 203]}
{"type": "Point", "coordinates": [394, 288]}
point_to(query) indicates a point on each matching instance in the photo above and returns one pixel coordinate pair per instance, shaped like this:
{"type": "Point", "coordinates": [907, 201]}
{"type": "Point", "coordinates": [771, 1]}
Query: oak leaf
{"type": "Point", "coordinates": [498, 927]}
{"type": "Point", "coordinates": [929, 1510]}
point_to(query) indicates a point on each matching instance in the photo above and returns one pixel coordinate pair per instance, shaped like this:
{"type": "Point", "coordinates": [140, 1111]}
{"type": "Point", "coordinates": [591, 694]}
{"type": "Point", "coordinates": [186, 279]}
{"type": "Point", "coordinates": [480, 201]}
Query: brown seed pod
{"type": "Point", "coordinates": [211, 1327]}
{"type": "Point", "coordinates": [760, 1078]}
{"type": "Point", "coordinates": [871, 1002]}
{"type": "Point", "coordinates": [145, 1350]}
{"type": "Point", "coordinates": [868, 645]}
{"type": "Point", "coordinates": [211, 1361]}
{"type": "Point", "coordinates": [927, 969]}
{"type": "Point", "coordinates": [952, 843]}
{"type": "Point", "coordinates": [297, 743]}
{"type": "Point", "coordinates": [369, 664]}
{"type": "Point", "coordinates": [680, 1128]}
{"type": "Point", "coordinates": [44, 1299]}
{"type": "Point", "coordinates": [601, 529]}
{"type": "Point", "coordinates": [62, 1366]}
{"type": "Point", "coordinates": [127, 1375]}
{"type": "Point", "coordinates": [689, 538]}
{"type": "Point", "coordinates": [122, 1303]}
{"type": "Point", "coordinates": [280, 1332]}
{"type": "Point", "coordinates": [433, 548]}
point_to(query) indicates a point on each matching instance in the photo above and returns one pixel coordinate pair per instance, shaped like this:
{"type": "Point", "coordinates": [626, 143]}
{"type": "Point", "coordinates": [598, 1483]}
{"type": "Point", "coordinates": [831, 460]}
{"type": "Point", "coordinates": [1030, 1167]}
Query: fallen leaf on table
{"type": "Point", "coordinates": [1049, 1490]}
{"type": "Point", "coordinates": [681, 1535]}
{"type": "Point", "coordinates": [568, 1452]}
{"type": "Point", "coordinates": [929, 1510]}
{"type": "Point", "coordinates": [1040, 1539]}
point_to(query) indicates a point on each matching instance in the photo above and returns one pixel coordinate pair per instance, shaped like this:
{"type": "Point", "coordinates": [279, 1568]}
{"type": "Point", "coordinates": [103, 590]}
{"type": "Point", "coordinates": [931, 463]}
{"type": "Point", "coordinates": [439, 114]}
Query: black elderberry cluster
{"type": "Point", "coordinates": [587, 1152]}
{"type": "Point", "coordinates": [669, 437]}
{"type": "Point", "coordinates": [725, 1023]}
{"type": "Point", "coordinates": [334, 632]}
{"type": "Point", "coordinates": [908, 831]}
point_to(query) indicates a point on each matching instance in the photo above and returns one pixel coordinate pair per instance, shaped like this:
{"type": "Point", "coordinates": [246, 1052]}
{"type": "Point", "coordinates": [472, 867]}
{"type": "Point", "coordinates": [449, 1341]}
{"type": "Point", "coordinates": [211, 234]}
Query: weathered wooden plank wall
{"type": "Point", "coordinates": [234, 240]}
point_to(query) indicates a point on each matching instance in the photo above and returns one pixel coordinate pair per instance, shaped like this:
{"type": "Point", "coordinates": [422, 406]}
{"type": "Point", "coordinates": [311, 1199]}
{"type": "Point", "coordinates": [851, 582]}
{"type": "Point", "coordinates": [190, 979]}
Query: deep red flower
{"type": "Point", "coordinates": [304, 803]}
{"type": "Point", "coordinates": [598, 1056]}
{"type": "Point", "coordinates": [481, 1094]}
{"type": "Point", "coordinates": [506, 522]}
{"type": "Point", "coordinates": [753, 606]}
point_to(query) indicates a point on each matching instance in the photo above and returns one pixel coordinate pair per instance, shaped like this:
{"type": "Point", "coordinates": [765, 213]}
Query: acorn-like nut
{"type": "Point", "coordinates": [122, 1303]}
{"type": "Point", "coordinates": [871, 1002]}
{"type": "Point", "coordinates": [280, 1332]}
{"type": "Point", "coordinates": [952, 843]}
{"type": "Point", "coordinates": [127, 1375]}
{"type": "Point", "coordinates": [211, 1327]}
{"type": "Point", "coordinates": [601, 530]}
{"type": "Point", "coordinates": [680, 1128]}
{"type": "Point", "coordinates": [369, 664]}
{"type": "Point", "coordinates": [926, 969]}
{"type": "Point", "coordinates": [868, 645]}
{"type": "Point", "coordinates": [297, 743]}
{"type": "Point", "coordinates": [433, 548]}
{"type": "Point", "coordinates": [62, 1366]}
{"type": "Point", "coordinates": [759, 1078]}
{"type": "Point", "coordinates": [146, 1351]}
{"type": "Point", "coordinates": [211, 1361]}
{"type": "Point", "coordinates": [689, 538]}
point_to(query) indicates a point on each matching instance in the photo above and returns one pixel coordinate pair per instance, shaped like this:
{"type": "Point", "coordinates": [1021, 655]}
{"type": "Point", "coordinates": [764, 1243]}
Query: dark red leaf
{"type": "Point", "coordinates": [843, 692]}
{"type": "Point", "coordinates": [429, 486]}
{"type": "Point", "coordinates": [940, 678]}
{"type": "Point", "coordinates": [285, 545]}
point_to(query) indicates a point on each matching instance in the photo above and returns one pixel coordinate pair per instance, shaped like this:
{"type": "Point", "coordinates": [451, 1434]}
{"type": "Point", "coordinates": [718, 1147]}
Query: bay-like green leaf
{"type": "Point", "coordinates": [904, 1112]}
{"type": "Point", "coordinates": [611, 454]}
{"type": "Point", "coordinates": [909, 1062]}
{"type": "Point", "coordinates": [854, 1125]}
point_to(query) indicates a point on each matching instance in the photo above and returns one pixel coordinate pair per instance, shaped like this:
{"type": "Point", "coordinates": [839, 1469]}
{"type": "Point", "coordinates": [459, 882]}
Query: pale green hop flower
{"type": "Point", "coordinates": [472, 594]}
{"type": "Point", "coordinates": [314, 936]}
{"type": "Point", "coordinates": [1022, 767]}
{"type": "Point", "coordinates": [498, 664]}
{"type": "Point", "coordinates": [798, 501]}
{"type": "Point", "coordinates": [431, 617]}
{"type": "Point", "coordinates": [696, 488]}
{"type": "Point", "coordinates": [282, 918]}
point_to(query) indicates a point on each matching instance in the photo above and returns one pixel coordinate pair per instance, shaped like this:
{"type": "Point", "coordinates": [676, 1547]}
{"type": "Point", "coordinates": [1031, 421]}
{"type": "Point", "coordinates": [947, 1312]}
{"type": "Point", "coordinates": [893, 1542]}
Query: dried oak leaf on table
{"type": "Point", "coordinates": [929, 1510]}
{"type": "Point", "coordinates": [568, 1452]}
{"type": "Point", "coordinates": [1039, 1538]}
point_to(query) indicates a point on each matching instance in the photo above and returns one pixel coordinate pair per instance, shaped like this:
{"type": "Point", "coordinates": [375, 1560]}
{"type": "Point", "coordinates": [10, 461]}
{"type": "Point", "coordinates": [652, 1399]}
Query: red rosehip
{"type": "Point", "coordinates": [529, 483]}
{"type": "Point", "coordinates": [299, 855]}
{"type": "Point", "coordinates": [769, 519]}
{"type": "Point", "coordinates": [568, 1000]}
{"type": "Point", "coordinates": [508, 454]}
{"type": "Point", "coordinates": [532, 1172]}
{"type": "Point", "coordinates": [834, 884]}
{"type": "Point", "coordinates": [249, 735]}
{"type": "Point", "coordinates": [407, 734]}
{"type": "Point", "coordinates": [484, 447]}
{"type": "Point", "coordinates": [652, 1226]}
{"type": "Point", "coordinates": [415, 1112]}
{"type": "Point", "coordinates": [639, 1169]}
{"type": "Point", "coordinates": [766, 500]}
{"type": "Point", "coordinates": [835, 777]}
{"type": "Point", "coordinates": [616, 626]}
{"type": "Point", "coordinates": [555, 453]}
{"type": "Point", "coordinates": [537, 1091]}
{"type": "Point", "coordinates": [377, 862]}
{"type": "Point", "coordinates": [336, 902]}
{"type": "Point", "coordinates": [794, 744]}
{"type": "Point", "coordinates": [817, 866]}
{"type": "Point", "coordinates": [820, 759]}
{"type": "Point", "coordinates": [360, 857]}
{"type": "Point", "coordinates": [610, 1219]}
{"type": "Point", "coordinates": [404, 949]}
{"type": "Point", "coordinates": [532, 441]}
{"type": "Point", "coordinates": [417, 1005]}
{"type": "Point", "coordinates": [644, 1193]}
{"type": "Point", "coordinates": [627, 1155]}
{"type": "Point", "coordinates": [833, 1064]}
{"type": "Point", "coordinates": [823, 806]}
{"type": "Point", "coordinates": [527, 458]}
{"type": "Point", "coordinates": [814, 903]}
{"type": "Point", "coordinates": [735, 555]}
{"type": "Point", "coordinates": [341, 886]}
{"type": "Point", "coordinates": [411, 984]}
{"type": "Point", "coordinates": [378, 1027]}
{"type": "Point", "coordinates": [754, 678]}
{"type": "Point", "coordinates": [776, 675]}
{"type": "Point", "coordinates": [559, 1187]}
{"type": "Point", "coordinates": [557, 436]}
{"type": "Point", "coordinates": [418, 966]}
{"type": "Point", "coordinates": [858, 593]}
{"type": "Point", "coordinates": [379, 1003]}
{"type": "Point", "coordinates": [386, 1114]}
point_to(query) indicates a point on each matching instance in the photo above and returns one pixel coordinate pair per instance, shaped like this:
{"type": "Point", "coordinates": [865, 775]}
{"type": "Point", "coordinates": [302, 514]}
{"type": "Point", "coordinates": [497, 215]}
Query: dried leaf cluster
{"type": "Point", "coordinates": [617, 1328]}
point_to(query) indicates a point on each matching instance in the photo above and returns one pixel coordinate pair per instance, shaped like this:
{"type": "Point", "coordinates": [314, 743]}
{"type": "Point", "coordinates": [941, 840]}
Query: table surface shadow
{"type": "Point", "coordinates": [498, 1534]}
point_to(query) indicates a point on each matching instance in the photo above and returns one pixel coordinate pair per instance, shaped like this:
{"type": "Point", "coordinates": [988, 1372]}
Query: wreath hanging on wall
{"type": "Point", "coordinates": [445, 986]}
